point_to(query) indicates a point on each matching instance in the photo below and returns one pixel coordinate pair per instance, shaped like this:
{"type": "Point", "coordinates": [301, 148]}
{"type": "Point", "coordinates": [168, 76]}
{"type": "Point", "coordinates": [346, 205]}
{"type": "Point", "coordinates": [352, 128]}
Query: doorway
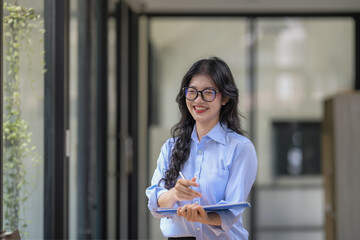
{"type": "Point", "coordinates": [284, 68]}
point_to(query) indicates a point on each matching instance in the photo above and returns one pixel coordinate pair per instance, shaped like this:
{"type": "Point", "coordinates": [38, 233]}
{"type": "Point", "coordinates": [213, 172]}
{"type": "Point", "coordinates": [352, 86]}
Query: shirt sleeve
{"type": "Point", "coordinates": [242, 176]}
{"type": "Point", "coordinates": [155, 190]}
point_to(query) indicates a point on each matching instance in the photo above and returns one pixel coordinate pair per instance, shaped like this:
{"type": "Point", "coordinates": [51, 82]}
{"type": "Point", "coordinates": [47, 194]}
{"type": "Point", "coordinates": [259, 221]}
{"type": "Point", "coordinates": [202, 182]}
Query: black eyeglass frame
{"type": "Point", "coordinates": [201, 93]}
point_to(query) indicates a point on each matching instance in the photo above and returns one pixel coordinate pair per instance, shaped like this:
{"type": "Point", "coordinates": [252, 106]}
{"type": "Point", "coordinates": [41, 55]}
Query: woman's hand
{"type": "Point", "coordinates": [196, 213]}
{"type": "Point", "coordinates": [181, 192]}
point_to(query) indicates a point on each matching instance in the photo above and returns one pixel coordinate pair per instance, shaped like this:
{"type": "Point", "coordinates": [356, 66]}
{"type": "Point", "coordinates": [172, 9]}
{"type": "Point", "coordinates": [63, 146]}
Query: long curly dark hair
{"type": "Point", "coordinates": [217, 70]}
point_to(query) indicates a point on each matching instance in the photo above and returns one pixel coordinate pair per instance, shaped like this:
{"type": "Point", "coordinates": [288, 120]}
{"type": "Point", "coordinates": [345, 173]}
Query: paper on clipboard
{"type": "Point", "coordinates": [208, 208]}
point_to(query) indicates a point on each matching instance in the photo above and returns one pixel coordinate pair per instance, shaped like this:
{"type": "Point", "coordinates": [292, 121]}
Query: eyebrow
{"type": "Point", "coordinates": [204, 87]}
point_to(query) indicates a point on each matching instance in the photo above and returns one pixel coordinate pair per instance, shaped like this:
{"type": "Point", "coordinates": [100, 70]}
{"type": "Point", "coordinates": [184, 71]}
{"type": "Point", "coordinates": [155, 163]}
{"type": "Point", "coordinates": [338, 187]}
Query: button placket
{"type": "Point", "coordinates": [199, 160]}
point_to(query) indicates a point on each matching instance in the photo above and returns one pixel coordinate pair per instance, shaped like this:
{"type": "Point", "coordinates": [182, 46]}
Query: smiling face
{"type": "Point", "coordinates": [206, 114]}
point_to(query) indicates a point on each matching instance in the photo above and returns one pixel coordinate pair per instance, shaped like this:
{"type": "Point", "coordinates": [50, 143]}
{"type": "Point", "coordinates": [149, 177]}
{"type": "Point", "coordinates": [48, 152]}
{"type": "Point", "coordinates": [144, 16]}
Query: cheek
{"type": "Point", "coordinates": [188, 105]}
{"type": "Point", "coordinates": [218, 105]}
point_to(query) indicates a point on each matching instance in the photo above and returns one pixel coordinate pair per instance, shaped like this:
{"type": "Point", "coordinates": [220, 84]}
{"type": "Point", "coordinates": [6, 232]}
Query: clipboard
{"type": "Point", "coordinates": [208, 208]}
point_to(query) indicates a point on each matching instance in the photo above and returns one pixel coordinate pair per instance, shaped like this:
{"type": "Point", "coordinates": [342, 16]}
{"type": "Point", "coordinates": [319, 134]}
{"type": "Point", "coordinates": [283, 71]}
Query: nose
{"type": "Point", "coordinates": [199, 98]}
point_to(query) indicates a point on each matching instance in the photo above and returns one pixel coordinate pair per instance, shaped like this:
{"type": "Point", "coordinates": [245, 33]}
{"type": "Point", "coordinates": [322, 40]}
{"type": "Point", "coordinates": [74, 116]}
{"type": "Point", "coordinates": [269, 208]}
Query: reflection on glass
{"type": "Point", "coordinates": [23, 117]}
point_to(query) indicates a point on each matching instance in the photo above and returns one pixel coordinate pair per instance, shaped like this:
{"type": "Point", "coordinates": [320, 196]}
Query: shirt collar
{"type": "Point", "coordinates": [217, 133]}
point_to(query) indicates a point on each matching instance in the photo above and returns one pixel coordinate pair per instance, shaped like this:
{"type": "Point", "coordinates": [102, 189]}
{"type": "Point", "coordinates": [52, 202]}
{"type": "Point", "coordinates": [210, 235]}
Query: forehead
{"type": "Point", "coordinates": [202, 81]}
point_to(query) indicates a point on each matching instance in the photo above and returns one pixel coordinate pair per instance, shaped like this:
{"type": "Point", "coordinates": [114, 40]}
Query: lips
{"type": "Point", "coordinates": [200, 109]}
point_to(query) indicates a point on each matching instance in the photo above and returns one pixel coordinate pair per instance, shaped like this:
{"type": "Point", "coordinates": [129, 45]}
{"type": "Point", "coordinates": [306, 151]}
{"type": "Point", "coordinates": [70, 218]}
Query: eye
{"type": "Point", "coordinates": [208, 92]}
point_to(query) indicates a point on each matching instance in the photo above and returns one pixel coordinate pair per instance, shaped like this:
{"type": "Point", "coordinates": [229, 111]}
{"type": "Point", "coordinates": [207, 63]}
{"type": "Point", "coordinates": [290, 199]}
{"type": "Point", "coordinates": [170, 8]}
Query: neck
{"type": "Point", "coordinates": [203, 129]}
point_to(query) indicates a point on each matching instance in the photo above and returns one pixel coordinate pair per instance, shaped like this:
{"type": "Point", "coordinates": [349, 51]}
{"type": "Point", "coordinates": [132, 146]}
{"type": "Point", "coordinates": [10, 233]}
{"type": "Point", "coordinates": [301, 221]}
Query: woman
{"type": "Point", "coordinates": [209, 148]}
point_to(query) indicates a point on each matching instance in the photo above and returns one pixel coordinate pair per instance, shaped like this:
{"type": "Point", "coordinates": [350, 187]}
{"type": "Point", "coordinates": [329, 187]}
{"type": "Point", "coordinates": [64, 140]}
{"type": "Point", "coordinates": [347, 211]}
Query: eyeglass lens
{"type": "Point", "coordinates": [207, 95]}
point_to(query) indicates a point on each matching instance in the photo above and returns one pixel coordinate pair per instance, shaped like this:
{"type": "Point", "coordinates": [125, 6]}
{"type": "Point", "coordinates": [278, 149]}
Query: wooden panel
{"type": "Point", "coordinates": [328, 169]}
{"type": "Point", "coordinates": [341, 165]}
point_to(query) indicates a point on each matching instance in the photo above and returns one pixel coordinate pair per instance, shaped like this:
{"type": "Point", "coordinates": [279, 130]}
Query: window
{"type": "Point", "coordinates": [296, 146]}
{"type": "Point", "coordinates": [23, 120]}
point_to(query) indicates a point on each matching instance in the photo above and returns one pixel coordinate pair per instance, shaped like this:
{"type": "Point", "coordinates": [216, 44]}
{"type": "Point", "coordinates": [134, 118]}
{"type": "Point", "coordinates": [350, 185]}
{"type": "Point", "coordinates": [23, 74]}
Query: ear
{"type": "Point", "coordinates": [224, 101]}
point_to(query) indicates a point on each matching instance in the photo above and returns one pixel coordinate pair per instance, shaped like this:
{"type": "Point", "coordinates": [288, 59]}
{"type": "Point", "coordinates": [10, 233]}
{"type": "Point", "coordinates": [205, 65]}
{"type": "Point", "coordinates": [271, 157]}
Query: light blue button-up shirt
{"type": "Point", "coordinates": [225, 165]}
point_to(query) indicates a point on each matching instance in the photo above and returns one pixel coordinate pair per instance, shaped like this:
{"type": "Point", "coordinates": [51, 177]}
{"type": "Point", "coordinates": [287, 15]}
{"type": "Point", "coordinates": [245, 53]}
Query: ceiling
{"type": "Point", "coordinates": [244, 6]}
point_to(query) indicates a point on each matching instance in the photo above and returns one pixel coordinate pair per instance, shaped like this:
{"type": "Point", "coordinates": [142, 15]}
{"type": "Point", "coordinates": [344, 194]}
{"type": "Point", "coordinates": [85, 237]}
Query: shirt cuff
{"type": "Point", "coordinates": [227, 219]}
{"type": "Point", "coordinates": [152, 203]}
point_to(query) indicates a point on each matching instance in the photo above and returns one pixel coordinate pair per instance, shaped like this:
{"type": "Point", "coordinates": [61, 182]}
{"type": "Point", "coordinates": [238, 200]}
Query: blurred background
{"type": "Point", "coordinates": [93, 85]}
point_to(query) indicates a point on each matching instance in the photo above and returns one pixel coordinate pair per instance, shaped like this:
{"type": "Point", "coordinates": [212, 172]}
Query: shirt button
{"type": "Point", "coordinates": [199, 151]}
{"type": "Point", "coordinates": [198, 229]}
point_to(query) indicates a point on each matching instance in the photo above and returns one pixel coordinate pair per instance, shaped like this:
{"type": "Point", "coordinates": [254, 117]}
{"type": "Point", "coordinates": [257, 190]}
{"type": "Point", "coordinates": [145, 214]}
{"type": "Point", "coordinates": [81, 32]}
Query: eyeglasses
{"type": "Point", "coordinates": [207, 94]}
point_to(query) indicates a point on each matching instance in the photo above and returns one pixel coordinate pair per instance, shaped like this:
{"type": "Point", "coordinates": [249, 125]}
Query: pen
{"type": "Point", "coordinates": [182, 176]}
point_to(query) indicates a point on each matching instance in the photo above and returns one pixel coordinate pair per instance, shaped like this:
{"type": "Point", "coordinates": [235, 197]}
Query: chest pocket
{"type": "Point", "coordinates": [213, 183]}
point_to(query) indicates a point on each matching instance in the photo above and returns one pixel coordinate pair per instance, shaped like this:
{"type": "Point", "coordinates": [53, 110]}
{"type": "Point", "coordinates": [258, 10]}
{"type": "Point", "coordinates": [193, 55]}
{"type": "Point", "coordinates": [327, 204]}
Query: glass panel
{"type": "Point", "coordinates": [300, 63]}
{"type": "Point", "coordinates": [23, 119]}
{"type": "Point", "coordinates": [176, 43]}
{"type": "Point", "coordinates": [112, 133]}
{"type": "Point", "coordinates": [73, 119]}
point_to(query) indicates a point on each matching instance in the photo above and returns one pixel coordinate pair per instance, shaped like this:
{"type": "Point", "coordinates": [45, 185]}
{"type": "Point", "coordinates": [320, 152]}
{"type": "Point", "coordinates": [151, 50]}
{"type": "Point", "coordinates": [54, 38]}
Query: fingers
{"type": "Point", "coordinates": [201, 211]}
{"type": "Point", "coordinates": [183, 192]}
{"type": "Point", "coordinates": [192, 213]}
{"type": "Point", "coordinates": [185, 211]}
{"type": "Point", "coordinates": [195, 212]}
{"type": "Point", "coordinates": [182, 210]}
{"type": "Point", "coordinates": [194, 180]}
{"type": "Point", "coordinates": [189, 183]}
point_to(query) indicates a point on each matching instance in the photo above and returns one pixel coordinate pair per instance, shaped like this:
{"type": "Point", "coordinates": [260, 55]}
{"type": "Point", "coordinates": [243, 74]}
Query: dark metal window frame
{"type": "Point", "coordinates": [56, 108]}
{"type": "Point", "coordinates": [101, 119]}
{"type": "Point", "coordinates": [127, 121]}
{"type": "Point", "coordinates": [92, 110]}
{"type": "Point", "coordinates": [85, 161]}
